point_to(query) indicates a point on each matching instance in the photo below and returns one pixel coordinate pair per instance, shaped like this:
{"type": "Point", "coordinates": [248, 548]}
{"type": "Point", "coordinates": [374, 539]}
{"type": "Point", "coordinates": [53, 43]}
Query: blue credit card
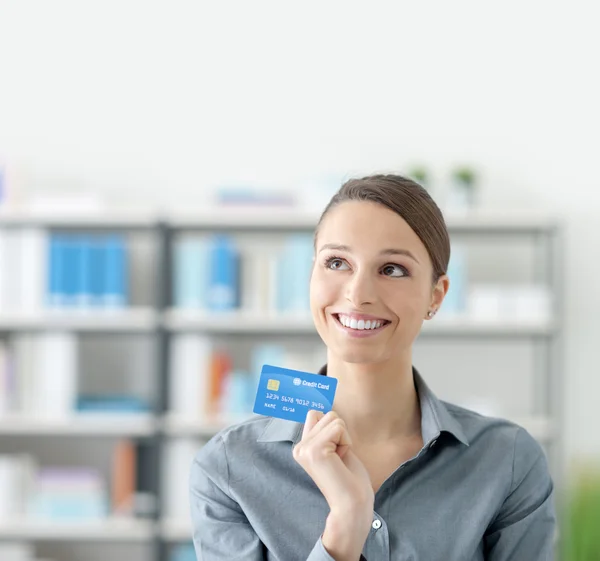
{"type": "Point", "coordinates": [291, 394]}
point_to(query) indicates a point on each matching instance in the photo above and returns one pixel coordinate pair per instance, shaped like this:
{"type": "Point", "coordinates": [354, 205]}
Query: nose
{"type": "Point", "coordinates": [360, 289]}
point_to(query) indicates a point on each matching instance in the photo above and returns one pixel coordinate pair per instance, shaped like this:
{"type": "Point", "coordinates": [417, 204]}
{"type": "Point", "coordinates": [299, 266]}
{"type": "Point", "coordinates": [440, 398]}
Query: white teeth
{"type": "Point", "coordinates": [361, 324]}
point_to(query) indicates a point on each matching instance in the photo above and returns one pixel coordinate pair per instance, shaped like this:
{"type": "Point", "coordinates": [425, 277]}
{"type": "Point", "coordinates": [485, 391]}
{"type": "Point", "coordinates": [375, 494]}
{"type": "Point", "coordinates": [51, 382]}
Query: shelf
{"type": "Point", "coordinates": [105, 219]}
{"type": "Point", "coordinates": [109, 530]}
{"type": "Point", "coordinates": [464, 326]}
{"type": "Point", "coordinates": [118, 320]}
{"type": "Point", "coordinates": [247, 322]}
{"type": "Point", "coordinates": [83, 424]}
{"type": "Point", "coordinates": [174, 425]}
{"type": "Point", "coordinates": [238, 322]}
{"type": "Point", "coordinates": [260, 218]}
{"type": "Point", "coordinates": [508, 221]}
{"type": "Point", "coordinates": [176, 530]}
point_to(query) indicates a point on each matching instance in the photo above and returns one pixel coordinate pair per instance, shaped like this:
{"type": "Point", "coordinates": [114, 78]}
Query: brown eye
{"type": "Point", "coordinates": [335, 263]}
{"type": "Point", "coordinates": [394, 270]}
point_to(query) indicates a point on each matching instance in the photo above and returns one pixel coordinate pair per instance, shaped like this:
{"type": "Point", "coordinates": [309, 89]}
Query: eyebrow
{"type": "Point", "coordinates": [390, 251]}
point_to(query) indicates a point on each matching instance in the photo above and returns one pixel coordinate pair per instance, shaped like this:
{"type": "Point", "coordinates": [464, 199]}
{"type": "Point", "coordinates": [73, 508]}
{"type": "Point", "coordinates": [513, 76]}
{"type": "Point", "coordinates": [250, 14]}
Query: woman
{"type": "Point", "coordinates": [392, 473]}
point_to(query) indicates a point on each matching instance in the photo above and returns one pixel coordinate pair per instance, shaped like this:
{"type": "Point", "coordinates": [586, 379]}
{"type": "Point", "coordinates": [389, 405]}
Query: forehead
{"type": "Point", "coordinates": [369, 226]}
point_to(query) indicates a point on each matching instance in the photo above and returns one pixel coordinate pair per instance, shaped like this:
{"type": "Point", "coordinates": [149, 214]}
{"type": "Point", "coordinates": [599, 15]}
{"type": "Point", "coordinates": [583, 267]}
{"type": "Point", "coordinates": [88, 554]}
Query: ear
{"type": "Point", "coordinates": [440, 289]}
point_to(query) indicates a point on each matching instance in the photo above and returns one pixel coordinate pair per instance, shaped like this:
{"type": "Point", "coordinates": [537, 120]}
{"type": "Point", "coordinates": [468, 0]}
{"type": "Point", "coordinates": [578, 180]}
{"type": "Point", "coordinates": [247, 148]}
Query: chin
{"type": "Point", "coordinates": [358, 356]}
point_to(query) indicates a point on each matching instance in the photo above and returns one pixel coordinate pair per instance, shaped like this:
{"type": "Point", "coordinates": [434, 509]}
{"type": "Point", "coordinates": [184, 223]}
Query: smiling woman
{"type": "Point", "coordinates": [391, 473]}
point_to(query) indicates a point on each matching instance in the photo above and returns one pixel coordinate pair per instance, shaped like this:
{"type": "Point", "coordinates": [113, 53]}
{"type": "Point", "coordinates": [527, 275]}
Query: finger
{"type": "Point", "coordinates": [312, 418]}
{"type": "Point", "coordinates": [322, 422]}
{"type": "Point", "coordinates": [335, 434]}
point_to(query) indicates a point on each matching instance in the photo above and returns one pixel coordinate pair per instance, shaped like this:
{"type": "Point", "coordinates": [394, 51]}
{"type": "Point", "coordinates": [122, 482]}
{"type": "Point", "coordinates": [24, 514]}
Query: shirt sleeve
{"type": "Point", "coordinates": [221, 530]}
{"type": "Point", "coordinates": [524, 529]}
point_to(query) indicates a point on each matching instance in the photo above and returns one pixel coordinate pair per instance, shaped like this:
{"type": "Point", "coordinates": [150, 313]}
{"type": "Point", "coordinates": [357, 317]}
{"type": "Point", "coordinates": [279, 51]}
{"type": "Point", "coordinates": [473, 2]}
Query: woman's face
{"type": "Point", "coordinates": [371, 285]}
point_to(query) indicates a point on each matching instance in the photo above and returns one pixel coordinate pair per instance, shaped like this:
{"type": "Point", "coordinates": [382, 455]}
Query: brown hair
{"type": "Point", "coordinates": [408, 199]}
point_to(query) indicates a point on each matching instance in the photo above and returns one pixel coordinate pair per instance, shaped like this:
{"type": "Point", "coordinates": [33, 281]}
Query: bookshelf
{"type": "Point", "coordinates": [130, 320]}
{"type": "Point", "coordinates": [175, 530]}
{"type": "Point", "coordinates": [109, 531]}
{"type": "Point", "coordinates": [87, 424]}
{"type": "Point", "coordinates": [163, 322]}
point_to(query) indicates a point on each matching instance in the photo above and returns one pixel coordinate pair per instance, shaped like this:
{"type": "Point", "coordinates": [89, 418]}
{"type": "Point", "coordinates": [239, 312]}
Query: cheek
{"type": "Point", "coordinates": [406, 299]}
{"type": "Point", "coordinates": [323, 290]}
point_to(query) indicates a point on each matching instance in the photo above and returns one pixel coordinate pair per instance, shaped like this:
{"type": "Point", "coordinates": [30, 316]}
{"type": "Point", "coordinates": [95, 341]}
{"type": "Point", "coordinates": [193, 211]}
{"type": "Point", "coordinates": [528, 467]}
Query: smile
{"type": "Point", "coordinates": [361, 327]}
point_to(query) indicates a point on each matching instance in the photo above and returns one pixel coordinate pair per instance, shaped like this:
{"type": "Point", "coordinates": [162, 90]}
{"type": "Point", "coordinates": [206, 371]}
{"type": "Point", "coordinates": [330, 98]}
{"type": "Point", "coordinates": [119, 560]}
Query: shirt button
{"type": "Point", "coordinates": [376, 524]}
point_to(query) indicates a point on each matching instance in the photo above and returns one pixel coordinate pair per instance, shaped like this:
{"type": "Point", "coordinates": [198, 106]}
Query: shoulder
{"type": "Point", "coordinates": [238, 436]}
{"type": "Point", "coordinates": [502, 432]}
{"type": "Point", "coordinates": [502, 440]}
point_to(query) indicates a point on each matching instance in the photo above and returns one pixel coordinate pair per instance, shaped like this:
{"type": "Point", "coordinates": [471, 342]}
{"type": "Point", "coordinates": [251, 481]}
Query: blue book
{"type": "Point", "coordinates": [97, 266]}
{"type": "Point", "coordinates": [223, 291]}
{"type": "Point", "coordinates": [183, 552]}
{"type": "Point", "coordinates": [111, 404]}
{"type": "Point", "coordinates": [190, 268]}
{"type": "Point", "coordinates": [71, 267]}
{"type": "Point", "coordinates": [84, 296]}
{"type": "Point", "coordinates": [293, 274]}
{"type": "Point", "coordinates": [238, 395]}
{"type": "Point", "coordinates": [56, 289]}
{"type": "Point", "coordinates": [266, 353]}
{"type": "Point", "coordinates": [115, 272]}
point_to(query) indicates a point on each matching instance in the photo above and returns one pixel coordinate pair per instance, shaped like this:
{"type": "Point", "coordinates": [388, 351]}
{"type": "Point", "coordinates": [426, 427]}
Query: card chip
{"type": "Point", "coordinates": [273, 385]}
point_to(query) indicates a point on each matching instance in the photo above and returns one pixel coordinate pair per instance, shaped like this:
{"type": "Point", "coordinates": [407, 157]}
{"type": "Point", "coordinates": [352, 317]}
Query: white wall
{"type": "Point", "coordinates": [165, 100]}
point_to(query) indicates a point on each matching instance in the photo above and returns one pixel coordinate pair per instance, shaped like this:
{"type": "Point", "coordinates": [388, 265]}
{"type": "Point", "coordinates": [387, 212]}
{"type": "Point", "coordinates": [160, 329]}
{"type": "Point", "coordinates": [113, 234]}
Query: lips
{"type": "Point", "coordinates": [360, 322]}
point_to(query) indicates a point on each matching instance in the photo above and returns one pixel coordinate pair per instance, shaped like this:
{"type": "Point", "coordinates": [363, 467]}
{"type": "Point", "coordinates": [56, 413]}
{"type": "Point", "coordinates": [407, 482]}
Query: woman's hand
{"type": "Point", "coordinates": [325, 453]}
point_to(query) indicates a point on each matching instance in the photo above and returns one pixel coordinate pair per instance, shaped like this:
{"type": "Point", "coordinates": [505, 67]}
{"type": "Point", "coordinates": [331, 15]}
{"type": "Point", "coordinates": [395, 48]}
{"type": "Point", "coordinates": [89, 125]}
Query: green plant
{"type": "Point", "coordinates": [582, 521]}
{"type": "Point", "coordinates": [465, 175]}
{"type": "Point", "coordinates": [420, 174]}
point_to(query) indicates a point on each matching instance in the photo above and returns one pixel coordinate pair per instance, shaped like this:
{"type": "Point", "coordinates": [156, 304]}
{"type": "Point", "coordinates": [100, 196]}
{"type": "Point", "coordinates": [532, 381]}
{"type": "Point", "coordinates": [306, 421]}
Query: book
{"type": "Point", "coordinates": [115, 272]}
{"type": "Point", "coordinates": [183, 552]}
{"type": "Point", "coordinates": [57, 271]}
{"type": "Point", "coordinates": [178, 455]}
{"type": "Point", "coordinates": [294, 270]}
{"type": "Point", "coordinates": [17, 474]}
{"type": "Point", "coordinates": [55, 374]}
{"type": "Point", "coordinates": [69, 493]}
{"type": "Point", "coordinates": [189, 366]}
{"type": "Point", "coordinates": [223, 290]}
{"type": "Point", "coordinates": [111, 404]}
{"type": "Point", "coordinates": [190, 271]}
{"type": "Point", "coordinates": [124, 478]}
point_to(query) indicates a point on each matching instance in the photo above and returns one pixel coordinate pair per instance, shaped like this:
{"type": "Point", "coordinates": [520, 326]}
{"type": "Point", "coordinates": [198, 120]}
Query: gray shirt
{"type": "Point", "coordinates": [479, 489]}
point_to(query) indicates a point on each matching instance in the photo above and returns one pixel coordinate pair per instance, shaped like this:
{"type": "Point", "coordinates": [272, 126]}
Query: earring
{"type": "Point", "coordinates": [430, 313]}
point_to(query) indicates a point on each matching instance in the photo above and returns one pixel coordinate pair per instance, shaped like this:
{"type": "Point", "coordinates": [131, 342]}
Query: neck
{"type": "Point", "coordinates": [378, 402]}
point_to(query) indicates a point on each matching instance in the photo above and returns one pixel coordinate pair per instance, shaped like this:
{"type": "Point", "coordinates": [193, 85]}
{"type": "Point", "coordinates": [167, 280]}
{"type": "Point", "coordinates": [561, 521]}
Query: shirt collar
{"type": "Point", "coordinates": [435, 419]}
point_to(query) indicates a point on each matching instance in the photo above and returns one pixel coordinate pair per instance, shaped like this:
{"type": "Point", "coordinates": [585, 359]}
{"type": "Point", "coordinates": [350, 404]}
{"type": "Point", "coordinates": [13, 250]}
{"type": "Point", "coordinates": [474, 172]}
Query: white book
{"type": "Point", "coordinates": [10, 271]}
{"type": "Point", "coordinates": [177, 461]}
{"type": "Point", "coordinates": [5, 384]}
{"type": "Point", "coordinates": [34, 267]}
{"type": "Point", "coordinates": [4, 270]}
{"type": "Point", "coordinates": [190, 360]}
{"type": "Point", "coordinates": [55, 374]}
{"type": "Point", "coordinates": [264, 281]}
{"type": "Point", "coordinates": [11, 498]}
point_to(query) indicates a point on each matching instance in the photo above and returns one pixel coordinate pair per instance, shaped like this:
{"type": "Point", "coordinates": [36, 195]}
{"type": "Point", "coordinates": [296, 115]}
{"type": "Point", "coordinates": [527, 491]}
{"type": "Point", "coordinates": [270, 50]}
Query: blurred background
{"type": "Point", "coordinates": [162, 167]}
